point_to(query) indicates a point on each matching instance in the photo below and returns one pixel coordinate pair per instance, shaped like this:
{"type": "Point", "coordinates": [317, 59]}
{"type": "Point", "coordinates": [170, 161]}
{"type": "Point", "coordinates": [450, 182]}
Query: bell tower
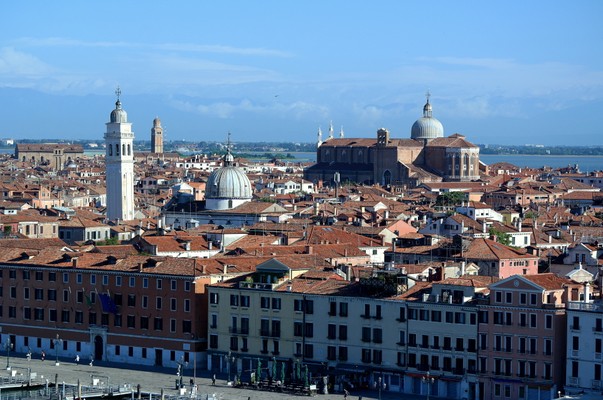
{"type": "Point", "coordinates": [119, 164]}
{"type": "Point", "coordinates": [157, 137]}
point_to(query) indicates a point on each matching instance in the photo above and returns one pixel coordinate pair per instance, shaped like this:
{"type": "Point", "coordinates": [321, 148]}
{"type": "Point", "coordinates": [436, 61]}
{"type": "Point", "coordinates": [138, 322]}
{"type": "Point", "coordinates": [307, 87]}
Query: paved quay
{"type": "Point", "coordinates": [155, 379]}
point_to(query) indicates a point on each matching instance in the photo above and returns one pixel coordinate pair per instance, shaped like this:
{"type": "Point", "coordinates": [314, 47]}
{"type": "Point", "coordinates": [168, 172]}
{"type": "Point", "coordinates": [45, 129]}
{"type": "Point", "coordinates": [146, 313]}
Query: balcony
{"type": "Point", "coordinates": [458, 371]}
{"type": "Point", "coordinates": [365, 316]}
{"type": "Point", "coordinates": [575, 353]}
{"type": "Point", "coordinates": [257, 285]}
{"type": "Point", "coordinates": [245, 349]}
{"type": "Point", "coordinates": [574, 381]}
{"type": "Point", "coordinates": [233, 329]}
{"type": "Point", "coordinates": [595, 384]}
{"type": "Point", "coordinates": [597, 356]}
{"type": "Point", "coordinates": [598, 329]}
{"type": "Point", "coordinates": [264, 332]}
{"type": "Point", "coordinates": [377, 317]}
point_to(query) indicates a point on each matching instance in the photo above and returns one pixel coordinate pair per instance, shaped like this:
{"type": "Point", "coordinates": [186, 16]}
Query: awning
{"type": "Point", "coordinates": [351, 368]}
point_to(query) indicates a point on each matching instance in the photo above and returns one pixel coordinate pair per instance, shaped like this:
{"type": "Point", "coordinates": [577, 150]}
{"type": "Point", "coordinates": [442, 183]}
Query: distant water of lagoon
{"type": "Point", "coordinates": [585, 163]}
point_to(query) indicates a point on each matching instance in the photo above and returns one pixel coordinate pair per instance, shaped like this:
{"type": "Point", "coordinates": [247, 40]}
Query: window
{"type": "Point", "coordinates": [131, 321]}
{"type": "Point", "coordinates": [309, 351]}
{"type": "Point", "coordinates": [533, 299]}
{"type": "Point", "coordinates": [213, 298]}
{"type": "Point", "coordinates": [144, 322]}
{"type": "Point", "coordinates": [173, 284]}
{"type": "Point", "coordinates": [118, 281]}
{"type": "Point", "coordinates": [377, 335]}
{"type": "Point", "coordinates": [234, 300]}
{"type": "Point", "coordinates": [265, 302]}
{"type": "Point", "coordinates": [402, 315]}
{"type": "Point", "coordinates": [332, 331]}
{"type": "Point", "coordinates": [331, 353]}
{"type": "Point", "coordinates": [145, 301]}
{"type": "Point", "coordinates": [508, 297]}
{"type": "Point", "coordinates": [158, 323]}
{"type": "Point", "coordinates": [158, 302]}
{"type": "Point", "coordinates": [332, 308]}
{"type": "Point", "coordinates": [343, 332]}
{"type": "Point", "coordinates": [105, 280]}
{"type": "Point", "coordinates": [92, 279]}
{"type": "Point", "coordinates": [131, 300]}
{"type": "Point", "coordinates": [159, 284]}
{"type": "Point", "coordinates": [276, 303]}
{"type": "Point", "coordinates": [343, 309]}
{"type": "Point", "coordinates": [172, 325]}
{"type": "Point", "coordinates": [173, 304]}
{"type": "Point", "coordinates": [532, 320]}
{"type": "Point", "coordinates": [498, 297]}
{"type": "Point", "coordinates": [187, 305]}
{"type": "Point", "coordinates": [244, 301]}
{"type": "Point", "coordinates": [132, 282]}
{"type": "Point", "coordinates": [145, 283]}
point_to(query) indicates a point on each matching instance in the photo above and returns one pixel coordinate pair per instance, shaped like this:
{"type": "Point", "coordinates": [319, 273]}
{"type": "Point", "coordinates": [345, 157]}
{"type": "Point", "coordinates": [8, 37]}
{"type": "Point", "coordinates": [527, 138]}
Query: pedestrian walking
{"type": "Point", "coordinates": [91, 360]}
{"type": "Point", "coordinates": [43, 355]}
{"type": "Point", "coordinates": [77, 359]}
{"type": "Point", "coordinates": [345, 393]}
{"type": "Point", "coordinates": [213, 380]}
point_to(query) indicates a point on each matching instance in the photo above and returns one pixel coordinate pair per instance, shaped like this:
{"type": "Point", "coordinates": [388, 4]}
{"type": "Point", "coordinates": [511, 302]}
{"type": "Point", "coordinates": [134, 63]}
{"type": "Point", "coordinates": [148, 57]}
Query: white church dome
{"type": "Point", "coordinates": [427, 127]}
{"type": "Point", "coordinates": [227, 187]}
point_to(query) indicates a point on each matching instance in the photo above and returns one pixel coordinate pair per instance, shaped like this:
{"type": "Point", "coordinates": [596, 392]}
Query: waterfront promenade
{"type": "Point", "coordinates": [155, 379]}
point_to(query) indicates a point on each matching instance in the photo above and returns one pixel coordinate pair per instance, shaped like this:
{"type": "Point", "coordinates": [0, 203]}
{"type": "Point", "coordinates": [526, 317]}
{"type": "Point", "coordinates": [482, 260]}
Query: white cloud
{"type": "Point", "coordinates": [176, 47]}
{"type": "Point", "coordinates": [228, 109]}
{"type": "Point", "coordinates": [14, 63]}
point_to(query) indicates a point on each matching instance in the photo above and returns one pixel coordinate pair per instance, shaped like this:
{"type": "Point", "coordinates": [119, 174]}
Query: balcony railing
{"type": "Point", "coordinates": [574, 380]}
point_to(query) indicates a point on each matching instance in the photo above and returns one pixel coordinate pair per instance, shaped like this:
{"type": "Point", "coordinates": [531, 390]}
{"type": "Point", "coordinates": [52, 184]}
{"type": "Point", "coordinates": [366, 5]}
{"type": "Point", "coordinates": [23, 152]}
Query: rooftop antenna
{"type": "Point", "coordinates": [118, 92]}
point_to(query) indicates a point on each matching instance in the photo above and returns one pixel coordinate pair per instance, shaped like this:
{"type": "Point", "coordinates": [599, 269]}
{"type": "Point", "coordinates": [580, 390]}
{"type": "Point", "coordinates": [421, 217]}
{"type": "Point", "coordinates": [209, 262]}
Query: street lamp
{"type": "Point", "coordinates": [229, 358]}
{"type": "Point", "coordinates": [429, 381]}
{"type": "Point", "coordinates": [8, 346]}
{"type": "Point", "coordinates": [194, 358]}
{"type": "Point", "coordinates": [56, 342]}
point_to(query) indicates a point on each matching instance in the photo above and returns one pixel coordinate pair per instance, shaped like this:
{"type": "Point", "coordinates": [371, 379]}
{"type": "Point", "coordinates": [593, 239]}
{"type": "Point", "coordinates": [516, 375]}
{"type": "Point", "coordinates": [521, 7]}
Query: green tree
{"type": "Point", "coordinates": [450, 199]}
{"type": "Point", "coordinates": [501, 237]}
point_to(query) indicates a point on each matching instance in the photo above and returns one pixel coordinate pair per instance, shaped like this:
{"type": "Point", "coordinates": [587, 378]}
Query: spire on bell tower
{"type": "Point", "coordinates": [331, 130]}
{"type": "Point", "coordinates": [341, 132]}
{"type": "Point", "coordinates": [319, 137]}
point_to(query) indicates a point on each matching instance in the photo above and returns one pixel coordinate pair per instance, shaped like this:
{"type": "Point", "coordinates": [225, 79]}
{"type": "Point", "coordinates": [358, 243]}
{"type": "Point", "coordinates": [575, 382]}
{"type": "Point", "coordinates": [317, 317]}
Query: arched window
{"type": "Point", "coordinates": [123, 149]}
{"type": "Point", "coordinates": [129, 152]}
{"type": "Point", "coordinates": [387, 178]}
{"type": "Point", "coordinates": [117, 149]}
{"type": "Point", "coordinates": [110, 150]}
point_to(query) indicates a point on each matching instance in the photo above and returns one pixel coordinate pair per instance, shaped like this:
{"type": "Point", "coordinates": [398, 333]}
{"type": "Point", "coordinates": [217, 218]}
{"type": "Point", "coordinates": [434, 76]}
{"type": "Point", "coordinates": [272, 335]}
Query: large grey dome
{"type": "Point", "coordinates": [427, 127]}
{"type": "Point", "coordinates": [118, 115]}
{"type": "Point", "coordinates": [228, 182]}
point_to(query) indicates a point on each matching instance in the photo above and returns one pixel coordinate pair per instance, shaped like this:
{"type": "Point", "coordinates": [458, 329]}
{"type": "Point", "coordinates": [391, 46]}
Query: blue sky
{"type": "Point", "coordinates": [508, 72]}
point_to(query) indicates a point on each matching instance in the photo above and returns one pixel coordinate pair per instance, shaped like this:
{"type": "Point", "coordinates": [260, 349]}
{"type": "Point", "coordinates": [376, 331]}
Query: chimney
{"type": "Point", "coordinates": [140, 267]}
{"type": "Point", "coordinates": [204, 270]}
{"type": "Point", "coordinates": [74, 262]}
{"type": "Point", "coordinates": [210, 245]}
{"type": "Point", "coordinates": [309, 250]}
{"type": "Point", "coordinates": [463, 265]}
{"type": "Point", "coordinates": [225, 269]}
{"type": "Point", "coordinates": [587, 292]}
